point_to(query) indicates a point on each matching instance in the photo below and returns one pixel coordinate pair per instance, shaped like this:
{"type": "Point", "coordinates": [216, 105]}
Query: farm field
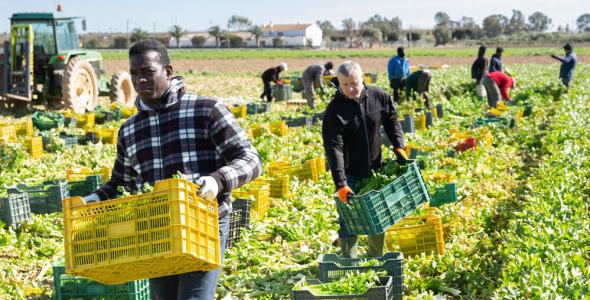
{"type": "Point", "coordinates": [519, 228]}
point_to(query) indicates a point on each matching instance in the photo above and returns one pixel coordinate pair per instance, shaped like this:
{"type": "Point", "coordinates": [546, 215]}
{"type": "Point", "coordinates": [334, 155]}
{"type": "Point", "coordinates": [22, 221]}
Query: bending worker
{"type": "Point", "coordinates": [419, 82]}
{"type": "Point", "coordinates": [271, 75]}
{"type": "Point", "coordinates": [312, 76]}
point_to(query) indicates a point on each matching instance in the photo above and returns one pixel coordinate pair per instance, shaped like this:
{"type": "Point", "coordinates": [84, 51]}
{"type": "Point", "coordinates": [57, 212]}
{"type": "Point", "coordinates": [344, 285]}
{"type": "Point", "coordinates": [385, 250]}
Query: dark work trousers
{"type": "Point", "coordinates": [267, 91]}
{"type": "Point", "coordinates": [396, 84]}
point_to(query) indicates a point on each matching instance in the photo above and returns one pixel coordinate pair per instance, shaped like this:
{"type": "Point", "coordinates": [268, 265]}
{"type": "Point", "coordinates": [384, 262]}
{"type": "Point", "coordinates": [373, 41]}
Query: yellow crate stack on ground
{"type": "Point", "coordinates": [77, 174]}
{"type": "Point", "coordinates": [259, 195]}
{"type": "Point", "coordinates": [106, 135]}
{"type": "Point", "coordinates": [168, 231]}
{"type": "Point", "coordinates": [34, 146]}
{"type": "Point", "coordinates": [416, 235]}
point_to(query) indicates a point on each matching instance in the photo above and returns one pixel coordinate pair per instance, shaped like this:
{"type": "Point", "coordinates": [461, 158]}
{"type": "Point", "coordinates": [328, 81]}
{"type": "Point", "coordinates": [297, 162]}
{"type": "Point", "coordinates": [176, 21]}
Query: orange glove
{"type": "Point", "coordinates": [343, 193]}
{"type": "Point", "coordinates": [401, 155]}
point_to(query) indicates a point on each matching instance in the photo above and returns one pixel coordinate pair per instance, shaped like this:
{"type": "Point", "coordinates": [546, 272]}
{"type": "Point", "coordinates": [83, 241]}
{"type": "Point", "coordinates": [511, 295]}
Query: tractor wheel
{"type": "Point", "coordinates": [79, 88]}
{"type": "Point", "coordinates": [122, 89]}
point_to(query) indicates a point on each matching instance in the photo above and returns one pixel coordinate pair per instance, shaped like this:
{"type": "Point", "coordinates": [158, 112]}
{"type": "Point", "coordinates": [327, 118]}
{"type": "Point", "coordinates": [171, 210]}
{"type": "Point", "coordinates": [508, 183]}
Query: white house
{"type": "Point", "coordinates": [186, 40]}
{"type": "Point", "coordinates": [292, 35]}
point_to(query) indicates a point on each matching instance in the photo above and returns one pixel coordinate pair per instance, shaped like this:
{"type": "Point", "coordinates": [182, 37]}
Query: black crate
{"type": "Point", "coordinates": [15, 209]}
{"type": "Point", "coordinates": [239, 220]}
{"type": "Point", "coordinates": [44, 198]}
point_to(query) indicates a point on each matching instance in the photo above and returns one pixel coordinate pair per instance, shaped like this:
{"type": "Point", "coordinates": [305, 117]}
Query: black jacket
{"type": "Point", "coordinates": [479, 68]}
{"type": "Point", "coordinates": [271, 74]}
{"type": "Point", "coordinates": [351, 133]}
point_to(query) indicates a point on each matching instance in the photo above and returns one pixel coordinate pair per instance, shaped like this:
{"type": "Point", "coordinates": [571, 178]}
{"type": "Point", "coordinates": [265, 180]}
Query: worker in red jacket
{"type": "Point", "coordinates": [504, 83]}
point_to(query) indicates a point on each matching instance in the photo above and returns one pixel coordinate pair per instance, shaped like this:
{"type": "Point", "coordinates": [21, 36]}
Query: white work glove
{"type": "Point", "coordinates": [91, 198]}
{"type": "Point", "coordinates": [209, 187]}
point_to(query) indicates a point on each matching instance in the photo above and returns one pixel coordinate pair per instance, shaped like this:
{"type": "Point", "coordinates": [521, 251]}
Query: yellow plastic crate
{"type": "Point", "coordinates": [77, 174]}
{"type": "Point", "coordinates": [239, 111]}
{"type": "Point", "coordinates": [278, 127]}
{"type": "Point", "coordinates": [420, 122]}
{"type": "Point", "coordinates": [278, 167]}
{"type": "Point", "coordinates": [434, 113]}
{"type": "Point", "coordinates": [106, 135]}
{"type": "Point", "coordinates": [320, 163]}
{"type": "Point", "coordinates": [518, 116]}
{"type": "Point", "coordinates": [250, 133]}
{"type": "Point", "coordinates": [416, 235]}
{"type": "Point", "coordinates": [259, 194]}
{"type": "Point", "coordinates": [7, 133]}
{"type": "Point", "coordinates": [85, 120]}
{"type": "Point", "coordinates": [309, 170]}
{"type": "Point", "coordinates": [168, 231]}
{"type": "Point", "coordinates": [34, 146]}
{"type": "Point", "coordinates": [25, 127]}
{"type": "Point", "coordinates": [279, 186]}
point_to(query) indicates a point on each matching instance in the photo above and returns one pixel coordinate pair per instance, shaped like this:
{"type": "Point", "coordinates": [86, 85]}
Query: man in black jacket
{"type": "Point", "coordinates": [351, 135]}
{"type": "Point", "coordinates": [478, 70]}
{"type": "Point", "coordinates": [271, 75]}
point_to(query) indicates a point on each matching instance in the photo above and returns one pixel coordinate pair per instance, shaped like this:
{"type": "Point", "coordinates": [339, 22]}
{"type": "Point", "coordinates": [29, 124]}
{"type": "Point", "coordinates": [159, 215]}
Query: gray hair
{"type": "Point", "coordinates": [346, 68]}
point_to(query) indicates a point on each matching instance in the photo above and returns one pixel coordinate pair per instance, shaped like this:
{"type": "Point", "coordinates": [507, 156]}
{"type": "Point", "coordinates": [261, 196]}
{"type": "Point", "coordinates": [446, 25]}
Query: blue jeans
{"type": "Point", "coordinates": [194, 285]}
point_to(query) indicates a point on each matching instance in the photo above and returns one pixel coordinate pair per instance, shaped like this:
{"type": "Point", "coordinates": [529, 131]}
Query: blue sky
{"type": "Point", "coordinates": [112, 16]}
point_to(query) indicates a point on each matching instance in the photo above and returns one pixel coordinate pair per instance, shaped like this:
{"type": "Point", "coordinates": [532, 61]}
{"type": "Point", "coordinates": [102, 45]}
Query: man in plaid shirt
{"type": "Point", "coordinates": [172, 132]}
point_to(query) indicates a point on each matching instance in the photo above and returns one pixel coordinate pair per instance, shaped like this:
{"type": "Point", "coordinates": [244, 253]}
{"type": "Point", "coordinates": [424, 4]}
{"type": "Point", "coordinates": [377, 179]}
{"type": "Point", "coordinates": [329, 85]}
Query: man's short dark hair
{"type": "Point", "coordinates": [151, 45]}
{"type": "Point", "coordinates": [400, 51]}
{"type": "Point", "coordinates": [568, 47]}
{"type": "Point", "coordinates": [499, 50]}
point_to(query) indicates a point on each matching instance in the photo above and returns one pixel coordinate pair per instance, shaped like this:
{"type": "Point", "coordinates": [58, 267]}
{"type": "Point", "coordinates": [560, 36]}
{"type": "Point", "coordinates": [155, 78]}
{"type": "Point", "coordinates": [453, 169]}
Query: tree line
{"type": "Point", "coordinates": [376, 29]}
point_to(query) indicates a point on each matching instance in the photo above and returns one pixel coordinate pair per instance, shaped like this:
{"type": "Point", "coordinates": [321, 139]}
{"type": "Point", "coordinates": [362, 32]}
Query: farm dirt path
{"type": "Point", "coordinates": [369, 64]}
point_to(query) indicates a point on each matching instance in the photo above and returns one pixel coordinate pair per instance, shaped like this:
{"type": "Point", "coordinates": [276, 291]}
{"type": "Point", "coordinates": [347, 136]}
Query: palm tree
{"type": "Point", "coordinates": [215, 31]}
{"type": "Point", "coordinates": [177, 32]}
{"type": "Point", "coordinates": [256, 31]}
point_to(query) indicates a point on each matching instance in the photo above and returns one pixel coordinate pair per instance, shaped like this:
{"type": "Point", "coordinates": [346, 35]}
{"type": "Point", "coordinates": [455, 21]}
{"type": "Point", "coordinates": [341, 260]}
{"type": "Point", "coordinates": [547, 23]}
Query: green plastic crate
{"type": "Point", "coordinates": [297, 84]}
{"type": "Point", "coordinates": [332, 267]}
{"type": "Point", "coordinates": [443, 195]}
{"type": "Point", "coordinates": [253, 108]}
{"type": "Point", "coordinates": [383, 291]}
{"type": "Point", "coordinates": [375, 211]}
{"type": "Point", "coordinates": [528, 110]}
{"type": "Point", "coordinates": [46, 121]}
{"type": "Point", "coordinates": [508, 122]}
{"type": "Point", "coordinates": [76, 287]}
{"type": "Point", "coordinates": [15, 209]}
{"type": "Point", "coordinates": [282, 92]}
{"type": "Point", "coordinates": [44, 198]}
{"type": "Point", "coordinates": [85, 187]}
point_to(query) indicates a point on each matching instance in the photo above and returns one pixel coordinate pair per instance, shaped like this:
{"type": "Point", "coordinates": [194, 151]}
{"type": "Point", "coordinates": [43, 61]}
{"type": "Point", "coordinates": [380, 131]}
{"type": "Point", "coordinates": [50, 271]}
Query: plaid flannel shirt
{"type": "Point", "coordinates": [194, 135]}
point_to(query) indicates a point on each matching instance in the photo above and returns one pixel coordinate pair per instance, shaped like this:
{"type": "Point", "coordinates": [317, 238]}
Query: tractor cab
{"type": "Point", "coordinates": [43, 60]}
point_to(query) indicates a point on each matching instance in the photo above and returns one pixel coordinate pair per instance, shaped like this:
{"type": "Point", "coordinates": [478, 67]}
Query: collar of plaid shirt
{"type": "Point", "coordinates": [172, 95]}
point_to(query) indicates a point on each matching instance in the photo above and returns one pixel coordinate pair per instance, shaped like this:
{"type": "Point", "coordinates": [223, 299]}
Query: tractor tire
{"type": "Point", "coordinates": [79, 89]}
{"type": "Point", "coordinates": [122, 90]}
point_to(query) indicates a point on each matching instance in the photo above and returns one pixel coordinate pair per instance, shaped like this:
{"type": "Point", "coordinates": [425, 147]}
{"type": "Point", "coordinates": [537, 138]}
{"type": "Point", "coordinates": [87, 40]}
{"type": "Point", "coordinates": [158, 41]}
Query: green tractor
{"type": "Point", "coordinates": [42, 61]}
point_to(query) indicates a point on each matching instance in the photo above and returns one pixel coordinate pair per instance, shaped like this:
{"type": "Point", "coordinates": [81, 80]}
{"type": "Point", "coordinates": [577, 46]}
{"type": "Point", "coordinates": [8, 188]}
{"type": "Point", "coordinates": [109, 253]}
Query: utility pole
{"type": "Point", "coordinates": [127, 28]}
